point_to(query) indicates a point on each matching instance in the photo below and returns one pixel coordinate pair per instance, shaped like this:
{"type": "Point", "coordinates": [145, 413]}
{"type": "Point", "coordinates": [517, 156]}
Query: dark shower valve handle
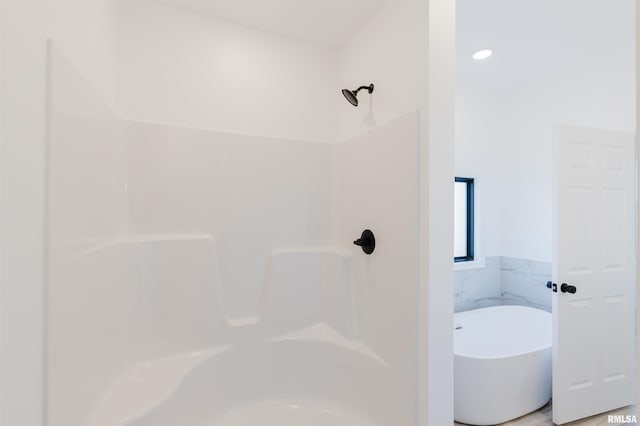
{"type": "Point", "coordinates": [367, 241]}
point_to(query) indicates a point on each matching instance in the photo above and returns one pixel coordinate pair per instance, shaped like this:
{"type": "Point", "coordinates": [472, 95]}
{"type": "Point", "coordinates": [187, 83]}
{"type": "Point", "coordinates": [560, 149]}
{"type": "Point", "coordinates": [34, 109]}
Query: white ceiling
{"type": "Point", "coordinates": [540, 39]}
{"type": "Point", "coordinates": [326, 23]}
{"type": "Point", "coordinates": [531, 39]}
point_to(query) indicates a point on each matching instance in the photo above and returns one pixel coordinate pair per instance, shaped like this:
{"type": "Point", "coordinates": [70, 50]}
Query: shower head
{"type": "Point", "coordinates": [352, 95]}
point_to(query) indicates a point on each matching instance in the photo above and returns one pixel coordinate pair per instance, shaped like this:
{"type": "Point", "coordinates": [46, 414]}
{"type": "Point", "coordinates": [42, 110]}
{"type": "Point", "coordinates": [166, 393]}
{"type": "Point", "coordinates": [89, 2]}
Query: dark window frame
{"type": "Point", "coordinates": [470, 216]}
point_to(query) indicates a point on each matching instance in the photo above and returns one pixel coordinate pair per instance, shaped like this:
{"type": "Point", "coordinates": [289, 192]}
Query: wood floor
{"type": "Point", "coordinates": [542, 417]}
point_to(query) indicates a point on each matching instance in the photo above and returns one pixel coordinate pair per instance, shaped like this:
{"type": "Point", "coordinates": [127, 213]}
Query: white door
{"type": "Point", "coordinates": [594, 251]}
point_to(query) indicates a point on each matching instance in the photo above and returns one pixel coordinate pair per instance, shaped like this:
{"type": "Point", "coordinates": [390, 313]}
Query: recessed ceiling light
{"type": "Point", "coordinates": [482, 54]}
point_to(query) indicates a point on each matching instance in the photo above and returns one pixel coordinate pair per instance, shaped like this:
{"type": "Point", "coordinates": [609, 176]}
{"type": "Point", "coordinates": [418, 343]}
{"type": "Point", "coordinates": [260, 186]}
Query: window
{"type": "Point", "coordinates": [463, 220]}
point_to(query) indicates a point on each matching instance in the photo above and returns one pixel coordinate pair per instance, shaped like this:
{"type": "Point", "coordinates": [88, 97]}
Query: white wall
{"type": "Point", "coordinates": [83, 30]}
{"type": "Point", "coordinates": [86, 206]}
{"type": "Point", "coordinates": [185, 69]}
{"type": "Point", "coordinates": [637, 51]}
{"type": "Point", "coordinates": [505, 139]}
{"type": "Point", "coordinates": [436, 206]}
{"type": "Point", "coordinates": [481, 133]}
{"type": "Point", "coordinates": [602, 97]}
{"type": "Point", "coordinates": [637, 80]}
{"type": "Point", "coordinates": [374, 55]}
{"type": "Point", "coordinates": [22, 192]}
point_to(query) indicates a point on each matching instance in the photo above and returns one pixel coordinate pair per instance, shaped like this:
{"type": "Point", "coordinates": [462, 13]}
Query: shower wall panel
{"type": "Point", "coordinates": [252, 194]}
{"type": "Point", "coordinates": [376, 177]}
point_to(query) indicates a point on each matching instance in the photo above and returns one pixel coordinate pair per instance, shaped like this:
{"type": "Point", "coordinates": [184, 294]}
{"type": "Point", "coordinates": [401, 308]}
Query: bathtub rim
{"type": "Point", "coordinates": [533, 349]}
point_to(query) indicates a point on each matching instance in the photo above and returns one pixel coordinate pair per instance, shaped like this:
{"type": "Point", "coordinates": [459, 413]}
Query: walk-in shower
{"type": "Point", "coordinates": [200, 260]}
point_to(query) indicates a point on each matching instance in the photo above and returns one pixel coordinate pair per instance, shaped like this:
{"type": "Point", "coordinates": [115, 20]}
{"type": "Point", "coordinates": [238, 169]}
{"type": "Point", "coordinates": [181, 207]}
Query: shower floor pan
{"type": "Point", "coordinates": [314, 377]}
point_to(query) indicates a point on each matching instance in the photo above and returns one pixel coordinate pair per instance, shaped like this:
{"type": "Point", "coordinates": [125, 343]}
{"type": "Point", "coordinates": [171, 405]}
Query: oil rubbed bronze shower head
{"type": "Point", "coordinates": [352, 95]}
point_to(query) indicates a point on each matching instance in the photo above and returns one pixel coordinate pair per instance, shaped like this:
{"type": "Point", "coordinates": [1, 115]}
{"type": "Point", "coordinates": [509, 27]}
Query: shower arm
{"type": "Point", "coordinates": [369, 89]}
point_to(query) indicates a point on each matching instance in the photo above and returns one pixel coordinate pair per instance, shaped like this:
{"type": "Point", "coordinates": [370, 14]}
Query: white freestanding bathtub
{"type": "Point", "coordinates": [502, 363]}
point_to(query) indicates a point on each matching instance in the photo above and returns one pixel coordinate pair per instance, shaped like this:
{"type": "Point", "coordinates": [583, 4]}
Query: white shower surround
{"type": "Point", "coordinates": [140, 221]}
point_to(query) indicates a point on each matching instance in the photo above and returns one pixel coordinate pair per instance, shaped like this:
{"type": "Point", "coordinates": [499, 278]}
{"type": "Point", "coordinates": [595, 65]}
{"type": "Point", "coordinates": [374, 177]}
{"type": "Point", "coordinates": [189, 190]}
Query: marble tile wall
{"type": "Point", "coordinates": [524, 282]}
{"type": "Point", "coordinates": [503, 281]}
{"type": "Point", "coordinates": [478, 288]}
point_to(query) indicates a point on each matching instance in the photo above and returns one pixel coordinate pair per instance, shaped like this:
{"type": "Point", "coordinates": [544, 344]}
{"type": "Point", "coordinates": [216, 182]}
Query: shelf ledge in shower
{"type": "Point", "coordinates": [321, 332]}
{"type": "Point", "coordinates": [243, 322]}
{"type": "Point", "coordinates": [140, 239]}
